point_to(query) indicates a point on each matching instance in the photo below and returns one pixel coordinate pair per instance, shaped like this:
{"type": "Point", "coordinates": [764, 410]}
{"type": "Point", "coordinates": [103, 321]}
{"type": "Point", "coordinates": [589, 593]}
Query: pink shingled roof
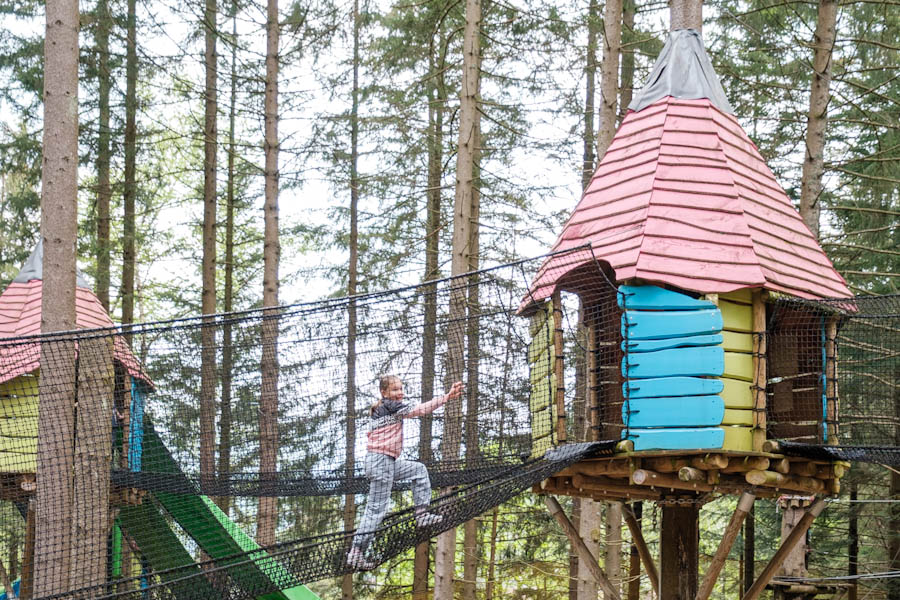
{"type": "Point", "coordinates": [20, 315]}
{"type": "Point", "coordinates": [683, 197]}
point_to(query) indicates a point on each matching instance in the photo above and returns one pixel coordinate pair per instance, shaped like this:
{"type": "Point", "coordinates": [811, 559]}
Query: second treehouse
{"type": "Point", "coordinates": [694, 352]}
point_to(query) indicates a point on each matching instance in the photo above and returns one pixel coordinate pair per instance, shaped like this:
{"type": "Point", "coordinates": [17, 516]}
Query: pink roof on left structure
{"type": "Point", "coordinates": [20, 316]}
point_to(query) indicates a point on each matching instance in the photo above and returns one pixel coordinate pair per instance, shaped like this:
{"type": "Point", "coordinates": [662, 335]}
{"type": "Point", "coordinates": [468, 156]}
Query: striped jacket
{"type": "Point", "coordinates": [386, 426]}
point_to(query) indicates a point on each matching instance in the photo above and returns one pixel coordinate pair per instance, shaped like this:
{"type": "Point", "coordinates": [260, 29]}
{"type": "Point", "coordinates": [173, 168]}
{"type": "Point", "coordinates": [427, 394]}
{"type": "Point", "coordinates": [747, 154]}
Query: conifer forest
{"type": "Point", "coordinates": [222, 156]}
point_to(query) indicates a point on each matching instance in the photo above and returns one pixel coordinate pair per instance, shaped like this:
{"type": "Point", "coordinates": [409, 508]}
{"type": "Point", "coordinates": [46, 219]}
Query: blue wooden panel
{"type": "Point", "coordinates": [676, 342]}
{"type": "Point", "coordinates": [685, 411]}
{"type": "Point", "coordinates": [657, 298]}
{"type": "Point", "coordinates": [705, 360]}
{"type": "Point", "coordinates": [656, 325]}
{"type": "Point", "coordinates": [682, 438]}
{"type": "Point", "coordinates": [671, 386]}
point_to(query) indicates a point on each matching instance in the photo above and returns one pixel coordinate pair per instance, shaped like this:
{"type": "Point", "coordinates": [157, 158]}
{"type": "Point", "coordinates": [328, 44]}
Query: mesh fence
{"type": "Point", "coordinates": [834, 378]}
{"type": "Point", "coordinates": [190, 442]}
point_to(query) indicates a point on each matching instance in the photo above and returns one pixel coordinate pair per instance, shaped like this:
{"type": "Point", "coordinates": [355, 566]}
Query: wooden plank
{"type": "Point", "coordinates": [737, 394]}
{"type": "Point", "coordinates": [677, 438]}
{"type": "Point", "coordinates": [656, 298]}
{"type": "Point", "coordinates": [637, 538]}
{"type": "Point", "coordinates": [759, 370]}
{"type": "Point", "coordinates": [558, 369]}
{"type": "Point", "coordinates": [654, 325]}
{"type": "Point", "coordinates": [736, 317]}
{"type": "Point", "coordinates": [745, 504]}
{"type": "Point", "coordinates": [639, 346]}
{"type": "Point", "coordinates": [689, 362]}
{"type": "Point", "coordinates": [686, 411]}
{"type": "Point", "coordinates": [674, 386]}
{"type": "Point", "coordinates": [578, 544]}
{"type": "Point", "coordinates": [733, 341]}
{"type": "Point", "coordinates": [738, 366]}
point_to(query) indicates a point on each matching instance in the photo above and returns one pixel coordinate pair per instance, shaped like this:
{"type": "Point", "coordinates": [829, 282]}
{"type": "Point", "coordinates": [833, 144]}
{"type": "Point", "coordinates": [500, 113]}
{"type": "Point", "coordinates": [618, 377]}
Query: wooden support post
{"type": "Point", "coordinates": [679, 551]}
{"type": "Point", "coordinates": [759, 370]}
{"type": "Point", "coordinates": [797, 533]}
{"type": "Point", "coordinates": [637, 538]}
{"type": "Point", "coordinates": [26, 588]}
{"type": "Point", "coordinates": [831, 388]}
{"type": "Point", "coordinates": [602, 580]}
{"type": "Point", "coordinates": [558, 369]}
{"type": "Point", "coordinates": [731, 532]}
{"type": "Point", "coordinates": [593, 397]}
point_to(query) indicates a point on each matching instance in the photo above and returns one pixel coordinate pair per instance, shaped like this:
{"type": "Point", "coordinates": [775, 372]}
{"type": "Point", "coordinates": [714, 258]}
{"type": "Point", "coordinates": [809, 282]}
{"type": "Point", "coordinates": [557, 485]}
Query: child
{"type": "Point", "coordinates": [383, 465]}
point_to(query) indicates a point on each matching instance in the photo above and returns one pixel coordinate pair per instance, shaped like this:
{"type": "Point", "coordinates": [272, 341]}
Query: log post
{"type": "Point", "coordinates": [26, 588]}
{"type": "Point", "coordinates": [558, 369]}
{"type": "Point", "coordinates": [637, 537]}
{"type": "Point", "coordinates": [759, 370]}
{"type": "Point", "coordinates": [745, 504]}
{"type": "Point", "coordinates": [583, 552]}
{"type": "Point", "coordinates": [593, 397]}
{"type": "Point", "coordinates": [797, 533]}
{"type": "Point", "coordinates": [679, 551]}
{"type": "Point", "coordinates": [831, 387]}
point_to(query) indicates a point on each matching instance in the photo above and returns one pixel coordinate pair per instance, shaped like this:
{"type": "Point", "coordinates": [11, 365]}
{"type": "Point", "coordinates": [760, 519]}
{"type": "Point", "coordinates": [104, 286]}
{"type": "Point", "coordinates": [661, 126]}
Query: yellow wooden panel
{"type": "Point", "coordinates": [736, 317]}
{"type": "Point", "coordinates": [19, 427]}
{"type": "Point", "coordinates": [539, 318]}
{"type": "Point", "coordinates": [738, 439]}
{"type": "Point", "coordinates": [735, 416]}
{"type": "Point", "coordinates": [538, 348]}
{"type": "Point", "coordinates": [739, 366]}
{"type": "Point", "coordinates": [744, 296]}
{"type": "Point", "coordinates": [24, 385]}
{"type": "Point", "coordinates": [737, 394]}
{"type": "Point", "coordinates": [543, 391]}
{"type": "Point", "coordinates": [737, 342]}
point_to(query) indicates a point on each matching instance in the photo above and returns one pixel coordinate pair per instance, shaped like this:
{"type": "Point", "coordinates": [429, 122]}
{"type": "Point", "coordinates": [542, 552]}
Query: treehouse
{"type": "Point", "coordinates": [696, 357]}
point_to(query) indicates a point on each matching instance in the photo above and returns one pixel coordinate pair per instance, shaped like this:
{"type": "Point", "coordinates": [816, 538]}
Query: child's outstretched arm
{"type": "Point", "coordinates": [455, 391]}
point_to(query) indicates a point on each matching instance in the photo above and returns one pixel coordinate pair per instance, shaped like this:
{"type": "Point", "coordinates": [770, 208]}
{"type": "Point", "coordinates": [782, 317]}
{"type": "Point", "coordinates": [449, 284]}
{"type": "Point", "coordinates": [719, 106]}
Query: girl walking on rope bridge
{"type": "Point", "coordinates": [384, 467]}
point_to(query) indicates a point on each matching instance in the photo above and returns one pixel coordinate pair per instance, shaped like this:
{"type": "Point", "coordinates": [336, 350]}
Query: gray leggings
{"type": "Point", "coordinates": [382, 471]}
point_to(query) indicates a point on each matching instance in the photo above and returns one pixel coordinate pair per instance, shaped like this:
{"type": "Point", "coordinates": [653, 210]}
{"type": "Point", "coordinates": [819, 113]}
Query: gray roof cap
{"type": "Point", "coordinates": [33, 268]}
{"type": "Point", "coordinates": [683, 70]}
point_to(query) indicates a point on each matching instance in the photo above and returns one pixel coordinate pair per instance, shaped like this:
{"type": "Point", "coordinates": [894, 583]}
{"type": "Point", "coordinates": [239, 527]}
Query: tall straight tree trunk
{"type": "Point", "coordinates": [224, 467]}
{"type": "Point", "coordinates": [590, 72]}
{"type": "Point", "coordinates": [59, 215]}
{"type": "Point", "coordinates": [208, 268]}
{"type": "Point", "coordinates": [268, 402]}
{"type": "Point", "coordinates": [626, 80]}
{"type": "Point", "coordinates": [130, 175]}
{"type": "Point", "coordinates": [432, 271]}
{"type": "Point", "coordinates": [817, 119]}
{"type": "Point", "coordinates": [350, 458]}
{"type": "Point", "coordinates": [609, 74]}
{"type": "Point", "coordinates": [470, 531]}
{"type": "Point", "coordinates": [104, 192]}
{"type": "Point", "coordinates": [445, 560]}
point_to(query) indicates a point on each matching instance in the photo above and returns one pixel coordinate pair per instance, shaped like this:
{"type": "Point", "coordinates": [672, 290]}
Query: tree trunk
{"type": "Point", "coordinates": [59, 216]}
{"type": "Point", "coordinates": [609, 73]}
{"type": "Point", "coordinates": [626, 80]}
{"type": "Point", "coordinates": [589, 530]}
{"type": "Point", "coordinates": [814, 163]}
{"type": "Point", "coordinates": [268, 402]}
{"type": "Point", "coordinates": [445, 560]}
{"type": "Point", "coordinates": [853, 551]}
{"type": "Point", "coordinates": [634, 566]}
{"type": "Point", "coordinates": [749, 550]}
{"type": "Point", "coordinates": [686, 14]}
{"type": "Point", "coordinates": [678, 549]}
{"type": "Point", "coordinates": [614, 545]}
{"type": "Point", "coordinates": [224, 501]}
{"type": "Point", "coordinates": [432, 271]}
{"type": "Point", "coordinates": [492, 557]}
{"type": "Point", "coordinates": [350, 458]}
{"type": "Point", "coordinates": [130, 175]}
{"type": "Point", "coordinates": [590, 72]}
{"type": "Point", "coordinates": [208, 297]}
{"type": "Point", "coordinates": [104, 192]}
{"type": "Point", "coordinates": [93, 459]}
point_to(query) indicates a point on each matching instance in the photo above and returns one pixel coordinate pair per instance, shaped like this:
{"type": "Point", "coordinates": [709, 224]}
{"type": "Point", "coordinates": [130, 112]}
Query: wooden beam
{"type": "Point", "coordinates": [667, 480]}
{"type": "Point", "coordinates": [710, 462]}
{"type": "Point", "coordinates": [558, 369]}
{"type": "Point", "coordinates": [831, 388]}
{"type": "Point", "coordinates": [593, 397]}
{"type": "Point", "coordinates": [797, 533]}
{"type": "Point", "coordinates": [759, 370]}
{"type": "Point", "coordinates": [26, 588]}
{"type": "Point", "coordinates": [745, 504]}
{"type": "Point", "coordinates": [637, 538]}
{"type": "Point", "coordinates": [809, 485]}
{"type": "Point", "coordinates": [583, 552]}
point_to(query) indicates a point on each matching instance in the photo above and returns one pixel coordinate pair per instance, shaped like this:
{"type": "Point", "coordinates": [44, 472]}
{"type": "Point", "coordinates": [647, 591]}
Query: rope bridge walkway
{"type": "Point", "coordinates": [163, 456]}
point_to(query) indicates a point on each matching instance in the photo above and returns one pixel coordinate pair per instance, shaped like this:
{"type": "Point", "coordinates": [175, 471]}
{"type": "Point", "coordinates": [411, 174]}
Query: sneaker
{"type": "Point", "coordinates": [426, 519]}
{"type": "Point", "coordinates": [357, 561]}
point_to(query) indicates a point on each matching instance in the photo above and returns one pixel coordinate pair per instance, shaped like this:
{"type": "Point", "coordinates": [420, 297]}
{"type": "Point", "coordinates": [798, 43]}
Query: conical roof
{"type": "Point", "coordinates": [20, 316]}
{"type": "Point", "coordinates": [683, 197]}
